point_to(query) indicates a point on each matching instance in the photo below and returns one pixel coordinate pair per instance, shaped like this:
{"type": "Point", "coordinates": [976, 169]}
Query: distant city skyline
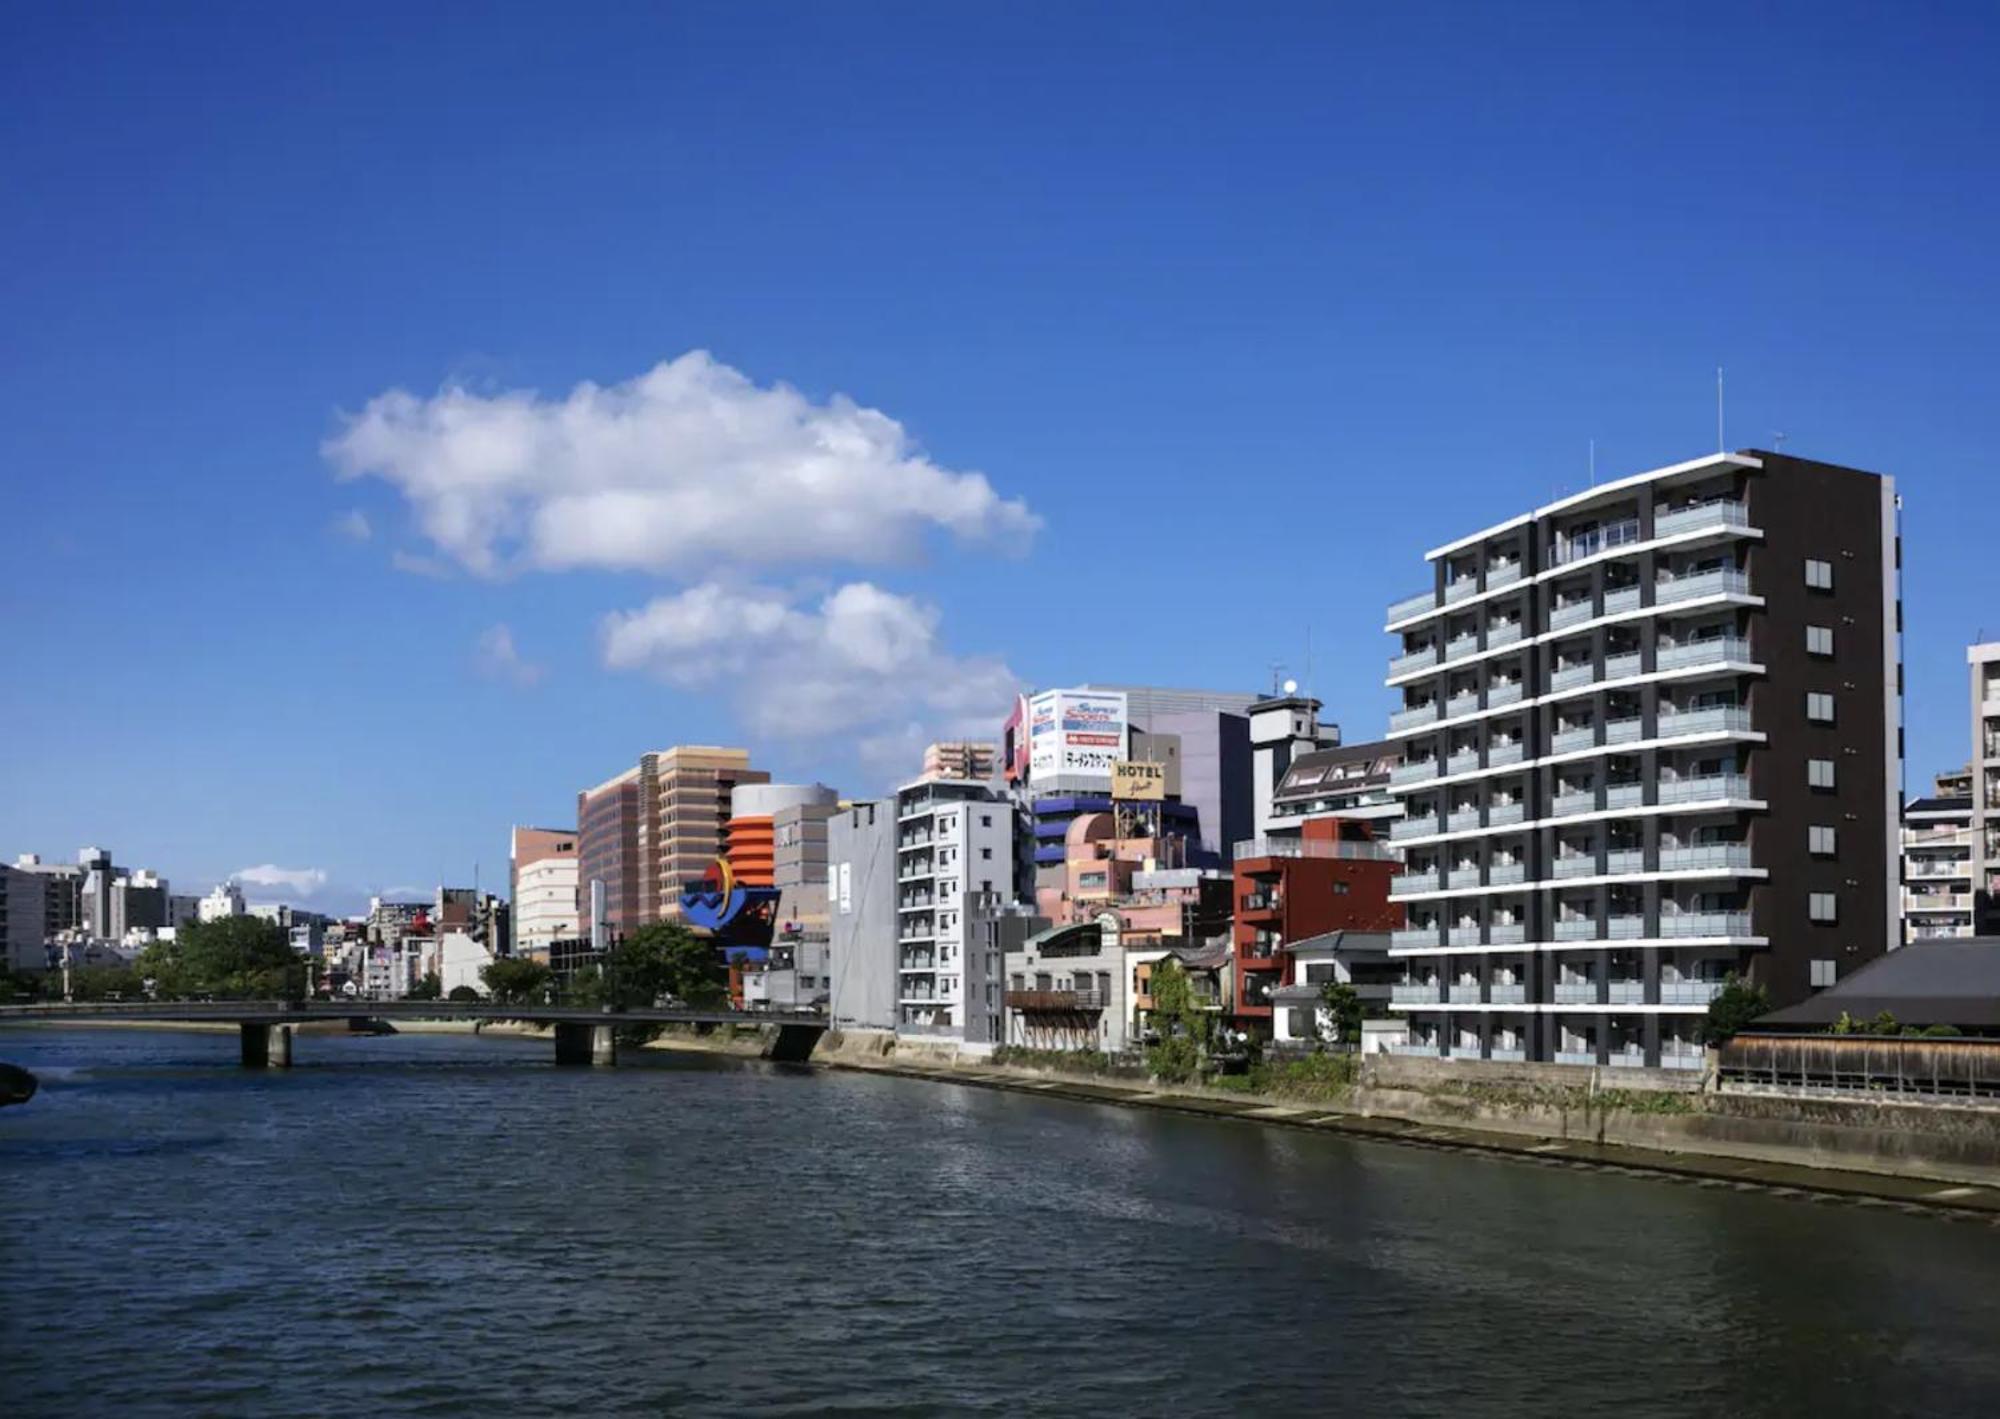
{"type": "Point", "coordinates": [396, 442]}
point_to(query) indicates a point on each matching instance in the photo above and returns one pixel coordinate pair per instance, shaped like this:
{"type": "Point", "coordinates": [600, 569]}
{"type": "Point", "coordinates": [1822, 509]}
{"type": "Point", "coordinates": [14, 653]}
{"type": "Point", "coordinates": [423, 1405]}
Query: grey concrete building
{"type": "Point", "coordinates": [1984, 660]}
{"type": "Point", "coordinates": [861, 916]}
{"type": "Point", "coordinates": [22, 916]}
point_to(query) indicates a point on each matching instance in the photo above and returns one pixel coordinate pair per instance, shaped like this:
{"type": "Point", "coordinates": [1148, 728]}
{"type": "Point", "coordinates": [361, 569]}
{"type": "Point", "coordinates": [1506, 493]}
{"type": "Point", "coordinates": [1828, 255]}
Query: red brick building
{"type": "Point", "coordinates": [1334, 877]}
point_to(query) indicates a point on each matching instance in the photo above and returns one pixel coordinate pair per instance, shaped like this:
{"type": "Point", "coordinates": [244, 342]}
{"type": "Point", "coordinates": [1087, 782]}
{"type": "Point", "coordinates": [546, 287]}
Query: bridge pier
{"type": "Point", "coordinates": [793, 1044]}
{"type": "Point", "coordinates": [266, 1046]}
{"type": "Point", "coordinates": [586, 1044]}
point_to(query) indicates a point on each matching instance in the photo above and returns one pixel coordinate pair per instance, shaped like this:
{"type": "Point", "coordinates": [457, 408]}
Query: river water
{"type": "Point", "coordinates": [446, 1225]}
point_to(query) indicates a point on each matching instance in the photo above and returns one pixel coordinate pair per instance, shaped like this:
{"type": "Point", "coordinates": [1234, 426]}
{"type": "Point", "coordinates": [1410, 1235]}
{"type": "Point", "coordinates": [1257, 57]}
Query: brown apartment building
{"type": "Point", "coordinates": [654, 828]}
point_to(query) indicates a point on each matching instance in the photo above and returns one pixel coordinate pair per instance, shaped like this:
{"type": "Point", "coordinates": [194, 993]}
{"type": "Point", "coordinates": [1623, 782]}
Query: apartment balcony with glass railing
{"type": "Point", "coordinates": [1722, 512]}
{"type": "Point", "coordinates": [1412, 828]}
{"type": "Point", "coordinates": [1463, 993]}
{"type": "Point", "coordinates": [1712, 651]}
{"type": "Point", "coordinates": [1464, 702]}
{"type": "Point", "coordinates": [1625, 598]}
{"type": "Point", "coordinates": [1503, 692]}
{"type": "Point", "coordinates": [1414, 771]}
{"type": "Point", "coordinates": [1464, 820]}
{"type": "Point", "coordinates": [1406, 938]}
{"type": "Point", "coordinates": [1723, 719]}
{"type": "Point", "coordinates": [1506, 874]}
{"type": "Point", "coordinates": [1412, 884]}
{"type": "Point", "coordinates": [1682, 1059]}
{"type": "Point", "coordinates": [1689, 992]}
{"type": "Point", "coordinates": [1506, 933]}
{"type": "Point", "coordinates": [1624, 860]}
{"type": "Point", "coordinates": [1568, 677]}
{"type": "Point", "coordinates": [1575, 992]}
{"type": "Point", "coordinates": [1502, 633]}
{"type": "Point", "coordinates": [1576, 928]}
{"type": "Point", "coordinates": [1602, 538]}
{"type": "Point", "coordinates": [1707, 788]}
{"type": "Point", "coordinates": [1467, 644]}
{"type": "Point", "coordinates": [1458, 590]}
{"type": "Point", "coordinates": [1571, 1056]}
{"type": "Point", "coordinates": [1583, 864]}
{"type": "Point", "coordinates": [1623, 667]}
{"type": "Point", "coordinates": [1705, 856]}
{"type": "Point", "coordinates": [1416, 993]}
{"type": "Point", "coordinates": [1567, 741]}
{"type": "Point", "coordinates": [1563, 805]}
{"type": "Point", "coordinates": [1499, 815]}
{"type": "Point", "coordinates": [1668, 590]}
{"type": "Point", "coordinates": [1955, 868]}
{"type": "Point", "coordinates": [1625, 992]}
{"type": "Point", "coordinates": [1625, 795]}
{"type": "Point", "coordinates": [1937, 901]}
{"type": "Point", "coordinates": [1500, 1055]}
{"type": "Point", "coordinates": [1571, 613]}
{"type": "Point", "coordinates": [1627, 1058]}
{"type": "Point", "coordinates": [1501, 574]}
{"type": "Point", "coordinates": [1462, 936]}
{"type": "Point", "coordinates": [1415, 716]}
{"type": "Point", "coordinates": [1463, 762]}
{"type": "Point", "coordinates": [1412, 606]}
{"type": "Point", "coordinates": [1678, 924]}
{"type": "Point", "coordinates": [1498, 756]}
{"type": "Point", "coordinates": [1420, 1049]}
{"type": "Point", "coordinates": [1507, 993]}
{"type": "Point", "coordinates": [1624, 731]}
{"type": "Point", "coordinates": [1415, 660]}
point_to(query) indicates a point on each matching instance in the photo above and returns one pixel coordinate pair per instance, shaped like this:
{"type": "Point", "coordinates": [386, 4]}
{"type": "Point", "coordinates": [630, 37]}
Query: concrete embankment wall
{"type": "Point", "coordinates": [1669, 1111]}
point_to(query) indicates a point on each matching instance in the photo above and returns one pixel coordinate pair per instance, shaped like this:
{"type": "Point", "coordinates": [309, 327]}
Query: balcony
{"type": "Point", "coordinates": [1628, 927]}
{"type": "Point", "coordinates": [1718, 856]}
{"type": "Point", "coordinates": [1723, 512]}
{"type": "Point", "coordinates": [1682, 1059]}
{"type": "Point", "coordinates": [1624, 861]}
{"type": "Point", "coordinates": [1503, 633]}
{"type": "Point", "coordinates": [1705, 789]}
{"type": "Point", "coordinates": [1566, 741]}
{"type": "Point", "coordinates": [1465, 702]}
{"type": "Point", "coordinates": [1501, 1055]}
{"type": "Point", "coordinates": [1959, 868]}
{"type": "Point", "coordinates": [1624, 731]}
{"type": "Point", "coordinates": [1724, 719]}
{"type": "Point", "coordinates": [1624, 667]}
{"type": "Point", "coordinates": [1420, 1049]}
{"type": "Point", "coordinates": [1057, 1001]}
{"type": "Point", "coordinates": [1411, 884]}
{"type": "Point", "coordinates": [918, 961]}
{"type": "Point", "coordinates": [1499, 815]}
{"type": "Point", "coordinates": [1712, 651]}
{"type": "Point", "coordinates": [1625, 598]}
{"type": "Point", "coordinates": [1414, 994]}
{"type": "Point", "coordinates": [1463, 821]}
{"type": "Point", "coordinates": [1690, 588]}
{"type": "Point", "coordinates": [1503, 692]}
{"type": "Point", "coordinates": [1510, 993]}
{"type": "Point", "coordinates": [1414, 717]}
{"type": "Point", "coordinates": [1412, 938]}
{"type": "Point", "coordinates": [1412, 606]}
{"type": "Point", "coordinates": [1627, 1058]}
{"type": "Point", "coordinates": [1461, 645]}
{"type": "Point", "coordinates": [1352, 851]}
{"type": "Point", "coordinates": [1498, 756]}
{"type": "Point", "coordinates": [1598, 539]}
{"type": "Point", "coordinates": [1563, 805]}
{"type": "Point", "coordinates": [1572, 1056]}
{"type": "Point", "coordinates": [1422, 659]}
{"type": "Point", "coordinates": [1413, 771]}
{"type": "Point", "coordinates": [1412, 828]}
{"type": "Point", "coordinates": [911, 904]}
{"type": "Point", "coordinates": [1506, 933]}
{"type": "Point", "coordinates": [1625, 795]}
{"type": "Point", "coordinates": [1576, 928]}
{"type": "Point", "coordinates": [1462, 936]}
{"type": "Point", "coordinates": [1575, 992]}
{"type": "Point", "coordinates": [1506, 874]}
{"type": "Point", "coordinates": [1463, 762]}
{"type": "Point", "coordinates": [1502, 574]}
{"type": "Point", "coordinates": [1571, 676]}
{"type": "Point", "coordinates": [910, 840]}
{"type": "Point", "coordinates": [1571, 613]}
{"type": "Point", "coordinates": [1625, 992]}
{"type": "Point", "coordinates": [1261, 903]}
{"type": "Point", "coordinates": [1677, 924]}
{"type": "Point", "coordinates": [917, 933]}
{"type": "Point", "coordinates": [1458, 590]}
{"type": "Point", "coordinates": [1463, 993]}
{"type": "Point", "coordinates": [1689, 992]}
{"type": "Point", "coordinates": [1583, 864]}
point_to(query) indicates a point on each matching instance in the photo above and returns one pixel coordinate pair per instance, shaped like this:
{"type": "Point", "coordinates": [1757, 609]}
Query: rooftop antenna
{"type": "Point", "coordinates": [1777, 441]}
{"type": "Point", "coordinates": [1277, 678]}
{"type": "Point", "coordinates": [1309, 658]}
{"type": "Point", "coordinates": [1721, 444]}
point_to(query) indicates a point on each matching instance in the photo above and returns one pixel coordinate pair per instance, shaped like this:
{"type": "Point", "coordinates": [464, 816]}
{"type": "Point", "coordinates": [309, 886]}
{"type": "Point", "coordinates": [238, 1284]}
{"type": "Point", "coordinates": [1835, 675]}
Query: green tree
{"type": "Point", "coordinates": [464, 995]}
{"type": "Point", "coordinates": [1183, 1026]}
{"type": "Point", "coordinates": [1734, 1007]}
{"type": "Point", "coordinates": [516, 980]}
{"type": "Point", "coordinates": [233, 958]}
{"type": "Point", "coordinates": [1884, 1024]}
{"type": "Point", "coordinates": [105, 983]}
{"type": "Point", "coordinates": [667, 962]}
{"type": "Point", "coordinates": [429, 988]}
{"type": "Point", "coordinates": [1342, 1003]}
{"type": "Point", "coordinates": [585, 988]}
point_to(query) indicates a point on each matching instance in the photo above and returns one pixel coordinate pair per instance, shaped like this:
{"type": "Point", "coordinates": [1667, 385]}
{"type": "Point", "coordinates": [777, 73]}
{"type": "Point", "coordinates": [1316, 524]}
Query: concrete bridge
{"type": "Point", "coordinates": [582, 1036]}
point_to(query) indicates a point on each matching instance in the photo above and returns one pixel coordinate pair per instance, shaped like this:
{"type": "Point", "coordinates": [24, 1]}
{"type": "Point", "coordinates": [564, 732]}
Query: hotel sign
{"type": "Point", "coordinates": [1138, 782]}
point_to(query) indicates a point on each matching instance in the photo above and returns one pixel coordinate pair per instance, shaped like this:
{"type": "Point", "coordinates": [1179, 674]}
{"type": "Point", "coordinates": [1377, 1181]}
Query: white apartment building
{"type": "Point", "coordinates": [543, 865]}
{"type": "Point", "coordinates": [225, 900]}
{"type": "Point", "coordinates": [1937, 862]}
{"type": "Point", "coordinates": [956, 870]}
{"type": "Point", "coordinates": [1984, 660]}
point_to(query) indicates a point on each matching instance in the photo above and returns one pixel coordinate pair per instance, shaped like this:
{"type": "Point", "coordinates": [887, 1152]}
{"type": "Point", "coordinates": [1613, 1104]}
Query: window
{"type": "Point", "coordinates": [986, 819]}
{"type": "Point", "coordinates": [1340, 889]}
{"type": "Point", "coordinates": [1821, 841]}
{"type": "Point", "coordinates": [1819, 707]}
{"type": "Point", "coordinates": [1822, 974]}
{"type": "Point", "coordinates": [987, 853]}
{"type": "Point", "coordinates": [1819, 640]}
{"type": "Point", "coordinates": [1819, 773]}
{"type": "Point", "coordinates": [1819, 575]}
{"type": "Point", "coordinates": [1820, 906]}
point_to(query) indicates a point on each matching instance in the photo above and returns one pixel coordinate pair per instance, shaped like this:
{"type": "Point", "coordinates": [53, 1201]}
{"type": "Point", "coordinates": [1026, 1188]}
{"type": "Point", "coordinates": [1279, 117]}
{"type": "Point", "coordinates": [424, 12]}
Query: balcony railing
{"type": "Point", "coordinates": [1260, 901]}
{"type": "Point", "coordinates": [1724, 719]}
{"type": "Point", "coordinates": [1412, 828]}
{"type": "Point", "coordinates": [1679, 924]}
{"type": "Point", "coordinates": [1689, 992]}
{"type": "Point", "coordinates": [1414, 771]}
{"type": "Point", "coordinates": [1412, 605]}
{"type": "Point", "coordinates": [1498, 756]}
{"type": "Point", "coordinates": [1571, 1056]}
{"type": "Point", "coordinates": [1575, 992]}
{"type": "Point", "coordinates": [1625, 992]}
{"type": "Point", "coordinates": [1706, 652]}
{"type": "Point", "coordinates": [1723, 512]}
{"type": "Point", "coordinates": [1502, 1055]}
{"type": "Point", "coordinates": [1463, 762]}
{"type": "Point", "coordinates": [1624, 731]}
{"type": "Point", "coordinates": [1421, 1050]}
{"type": "Point", "coordinates": [1625, 598]}
{"type": "Point", "coordinates": [1626, 1059]}
{"type": "Point", "coordinates": [1463, 821]}
{"type": "Point", "coordinates": [1056, 1000]}
{"type": "Point", "coordinates": [1576, 928]}
{"type": "Point", "coordinates": [1502, 574]}
{"type": "Point", "coordinates": [1414, 716]}
{"type": "Point", "coordinates": [1415, 660]}
{"type": "Point", "coordinates": [1566, 741]}
{"type": "Point", "coordinates": [1506, 874]}
{"type": "Point", "coordinates": [1506, 933]}
{"type": "Point", "coordinates": [1571, 613]}
{"type": "Point", "coordinates": [1704, 789]}
{"type": "Point", "coordinates": [1462, 936]}
{"type": "Point", "coordinates": [1599, 539]}
{"type": "Point", "coordinates": [1503, 692]}
{"type": "Point", "coordinates": [1499, 815]}
{"type": "Point", "coordinates": [1405, 938]}
{"type": "Point", "coordinates": [1416, 994]}
{"type": "Point", "coordinates": [1458, 590]}
{"type": "Point", "coordinates": [1352, 850]}
{"type": "Point", "coordinates": [1625, 795]}
{"type": "Point", "coordinates": [1624, 667]}
{"type": "Point", "coordinates": [1504, 633]}
{"type": "Point", "coordinates": [1463, 993]}
{"type": "Point", "coordinates": [1412, 883]}
{"type": "Point", "coordinates": [1571, 676]}
{"type": "Point", "coordinates": [1565, 804]}
{"type": "Point", "coordinates": [1465, 702]}
{"type": "Point", "coordinates": [1704, 856]}
{"type": "Point", "coordinates": [1624, 860]}
{"type": "Point", "coordinates": [1514, 993]}
{"type": "Point", "coordinates": [1583, 864]}
{"type": "Point", "coordinates": [1624, 928]}
{"type": "Point", "coordinates": [1688, 588]}
{"type": "Point", "coordinates": [1461, 645]}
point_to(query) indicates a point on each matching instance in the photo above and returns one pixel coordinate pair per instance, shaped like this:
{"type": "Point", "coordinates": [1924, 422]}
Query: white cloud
{"type": "Point", "coordinates": [303, 881]}
{"type": "Point", "coordinates": [861, 660]}
{"type": "Point", "coordinates": [354, 525]}
{"type": "Point", "coordinates": [417, 565]}
{"type": "Point", "coordinates": [684, 469]}
{"type": "Point", "coordinates": [497, 658]}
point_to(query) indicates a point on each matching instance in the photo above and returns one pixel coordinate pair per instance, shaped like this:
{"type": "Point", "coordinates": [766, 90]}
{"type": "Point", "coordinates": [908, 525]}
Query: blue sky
{"type": "Point", "coordinates": [1235, 309]}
